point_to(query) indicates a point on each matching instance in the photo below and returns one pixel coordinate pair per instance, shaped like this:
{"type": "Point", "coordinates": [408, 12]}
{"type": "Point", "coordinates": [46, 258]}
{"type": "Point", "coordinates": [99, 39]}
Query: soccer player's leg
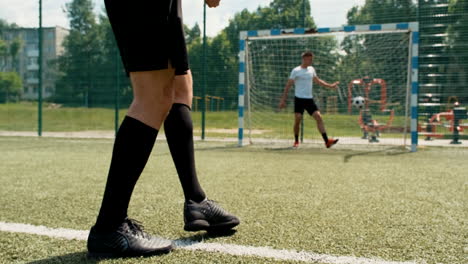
{"type": "Point", "coordinates": [199, 212]}
{"type": "Point", "coordinates": [298, 112]}
{"type": "Point", "coordinates": [178, 128]}
{"type": "Point", "coordinates": [297, 125]}
{"type": "Point", "coordinates": [114, 234]}
{"type": "Point", "coordinates": [146, 61]}
{"type": "Point", "coordinates": [329, 142]}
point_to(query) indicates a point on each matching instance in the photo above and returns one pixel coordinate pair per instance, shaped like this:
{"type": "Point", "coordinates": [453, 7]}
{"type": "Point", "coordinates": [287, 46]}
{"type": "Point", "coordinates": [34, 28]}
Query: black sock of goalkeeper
{"type": "Point", "coordinates": [132, 148]}
{"type": "Point", "coordinates": [179, 134]}
{"type": "Point", "coordinates": [325, 137]}
{"type": "Point", "coordinates": [296, 138]}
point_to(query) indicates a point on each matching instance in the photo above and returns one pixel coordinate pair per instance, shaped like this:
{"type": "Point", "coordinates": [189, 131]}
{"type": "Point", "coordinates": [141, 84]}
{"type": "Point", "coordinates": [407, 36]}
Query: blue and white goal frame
{"type": "Point", "coordinates": [412, 27]}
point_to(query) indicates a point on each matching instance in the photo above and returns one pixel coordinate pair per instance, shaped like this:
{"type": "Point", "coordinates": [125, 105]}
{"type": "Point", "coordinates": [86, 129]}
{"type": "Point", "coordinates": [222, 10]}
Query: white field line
{"type": "Point", "coordinates": [237, 250]}
{"type": "Point", "coordinates": [343, 140]}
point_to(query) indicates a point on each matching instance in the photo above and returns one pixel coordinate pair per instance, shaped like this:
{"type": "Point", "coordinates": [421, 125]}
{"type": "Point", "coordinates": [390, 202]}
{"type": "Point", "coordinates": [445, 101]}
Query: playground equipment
{"type": "Point", "coordinates": [367, 83]}
{"type": "Point", "coordinates": [459, 113]}
{"type": "Point", "coordinates": [452, 118]}
{"type": "Point", "coordinates": [212, 103]}
{"type": "Point", "coordinates": [370, 127]}
{"type": "Point", "coordinates": [429, 105]}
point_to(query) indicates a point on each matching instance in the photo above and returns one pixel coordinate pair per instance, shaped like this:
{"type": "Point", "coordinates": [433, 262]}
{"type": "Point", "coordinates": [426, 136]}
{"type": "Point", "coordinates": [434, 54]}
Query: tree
{"type": "Point", "coordinates": [91, 67]}
{"type": "Point", "coordinates": [9, 49]}
{"type": "Point", "coordinates": [192, 34]}
{"type": "Point", "coordinates": [110, 73]}
{"type": "Point", "coordinates": [457, 33]}
{"type": "Point", "coordinates": [280, 14]}
{"type": "Point", "coordinates": [3, 54]}
{"type": "Point", "coordinates": [79, 63]}
{"type": "Point", "coordinates": [383, 11]}
{"type": "Point", "coordinates": [373, 59]}
{"type": "Point", "coordinates": [222, 57]}
{"type": "Point", "coordinates": [10, 86]}
{"type": "Point", "coordinates": [10, 82]}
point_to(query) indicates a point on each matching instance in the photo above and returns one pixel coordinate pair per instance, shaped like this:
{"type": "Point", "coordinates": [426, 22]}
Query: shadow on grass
{"type": "Point", "coordinates": [311, 150]}
{"type": "Point", "coordinates": [76, 257]}
{"type": "Point", "coordinates": [393, 151]}
{"type": "Point", "coordinates": [202, 237]}
{"type": "Point", "coordinates": [222, 147]}
{"type": "Point", "coordinates": [280, 148]}
{"type": "Point", "coordinates": [81, 257]}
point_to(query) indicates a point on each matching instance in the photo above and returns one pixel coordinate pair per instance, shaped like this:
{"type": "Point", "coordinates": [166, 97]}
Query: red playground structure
{"type": "Point", "coordinates": [370, 127]}
{"type": "Point", "coordinates": [453, 117]}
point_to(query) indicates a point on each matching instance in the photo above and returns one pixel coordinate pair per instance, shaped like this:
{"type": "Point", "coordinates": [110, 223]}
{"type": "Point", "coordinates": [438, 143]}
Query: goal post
{"type": "Point", "coordinates": [378, 62]}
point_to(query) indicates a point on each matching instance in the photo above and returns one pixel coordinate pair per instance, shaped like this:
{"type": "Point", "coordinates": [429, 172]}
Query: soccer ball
{"type": "Point", "coordinates": [358, 102]}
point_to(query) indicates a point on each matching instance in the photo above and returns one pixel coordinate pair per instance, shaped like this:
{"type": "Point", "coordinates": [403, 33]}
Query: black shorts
{"type": "Point", "coordinates": [303, 103]}
{"type": "Point", "coordinates": [149, 34]}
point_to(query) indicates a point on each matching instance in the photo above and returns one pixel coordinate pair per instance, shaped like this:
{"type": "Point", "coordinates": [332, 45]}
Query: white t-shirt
{"type": "Point", "coordinates": [303, 81]}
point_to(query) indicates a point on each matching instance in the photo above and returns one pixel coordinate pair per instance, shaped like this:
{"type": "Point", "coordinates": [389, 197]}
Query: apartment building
{"type": "Point", "coordinates": [27, 61]}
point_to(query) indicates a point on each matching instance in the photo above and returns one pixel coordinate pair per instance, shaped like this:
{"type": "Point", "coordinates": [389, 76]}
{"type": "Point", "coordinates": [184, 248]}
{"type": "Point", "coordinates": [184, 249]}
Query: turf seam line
{"type": "Point", "coordinates": [230, 249]}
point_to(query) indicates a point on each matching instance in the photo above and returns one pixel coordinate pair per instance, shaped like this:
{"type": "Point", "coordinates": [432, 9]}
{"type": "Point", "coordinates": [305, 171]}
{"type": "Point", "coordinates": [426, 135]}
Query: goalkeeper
{"type": "Point", "coordinates": [303, 77]}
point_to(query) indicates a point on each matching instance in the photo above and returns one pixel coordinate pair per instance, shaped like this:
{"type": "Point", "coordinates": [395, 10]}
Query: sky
{"type": "Point", "coordinates": [326, 13]}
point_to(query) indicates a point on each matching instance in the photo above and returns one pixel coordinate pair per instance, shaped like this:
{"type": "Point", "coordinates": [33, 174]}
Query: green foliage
{"type": "Point", "coordinates": [74, 64]}
{"type": "Point", "coordinates": [10, 86]}
{"type": "Point", "coordinates": [4, 26]}
{"type": "Point", "coordinates": [91, 70]}
{"type": "Point", "coordinates": [458, 30]}
{"type": "Point", "coordinates": [88, 66]}
{"type": "Point", "coordinates": [221, 64]}
{"type": "Point", "coordinates": [383, 11]}
{"type": "Point", "coordinates": [457, 38]}
{"type": "Point", "coordinates": [444, 31]}
{"type": "Point", "coordinates": [375, 53]}
{"type": "Point", "coordinates": [15, 47]}
{"type": "Point", "coordinates": [3, 48]}
{"type": "Point", "coordinates": [279, 14]}
{"type": "Point", "coordinates": [8, 49]}
{"type": "Point", "coordinates": [222, 50]}
{"type": "Point", "coordinates": [192, 34]}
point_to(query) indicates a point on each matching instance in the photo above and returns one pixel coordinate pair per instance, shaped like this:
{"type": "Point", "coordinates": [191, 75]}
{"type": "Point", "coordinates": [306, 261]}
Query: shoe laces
{"type": "Point", "coordinates": [136, 228]}
{"type": "Point", "coordinates": [216, 209]}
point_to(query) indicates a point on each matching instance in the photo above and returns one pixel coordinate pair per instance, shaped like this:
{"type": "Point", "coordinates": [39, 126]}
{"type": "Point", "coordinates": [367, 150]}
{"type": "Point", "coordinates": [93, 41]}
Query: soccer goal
{"type": "Point", "coordinates": [375, 103]}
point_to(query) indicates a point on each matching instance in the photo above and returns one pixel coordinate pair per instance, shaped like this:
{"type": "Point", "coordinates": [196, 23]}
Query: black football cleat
{"type": "Point", "coordinates": [129, 240]}
{"type": "Point", "coordinates": [207, 215]}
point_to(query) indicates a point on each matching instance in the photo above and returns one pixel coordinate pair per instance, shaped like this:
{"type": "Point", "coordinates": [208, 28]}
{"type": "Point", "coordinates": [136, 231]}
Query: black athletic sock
{"type": "Point", "coordinates": [325, 137]}
{"type": "Point", "coordinates": [132, 148]}
{"type": "Point", "coordinates": [179, 134]}
{"type": "Point", "coordinates": [296, 138]}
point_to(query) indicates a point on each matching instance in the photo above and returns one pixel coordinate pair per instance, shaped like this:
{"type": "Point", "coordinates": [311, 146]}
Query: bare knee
{"type": "Point", "coordinates": [156, 102]}
{"type": "Point", "coordinates": [297, 119]}
{"type": "Point", "coordinates": [317, 116]}
{"type": "Point", "coordinates": [153, 96]}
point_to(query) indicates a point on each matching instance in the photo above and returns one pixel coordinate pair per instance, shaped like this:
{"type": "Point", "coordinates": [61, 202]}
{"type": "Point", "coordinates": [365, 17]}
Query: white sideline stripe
{"type": "Point", "coordinates": [279, 254]}
{"type": "Point", "coordinates": [44, 231]}
{"type": "Point", "coordinates": [237, 250]}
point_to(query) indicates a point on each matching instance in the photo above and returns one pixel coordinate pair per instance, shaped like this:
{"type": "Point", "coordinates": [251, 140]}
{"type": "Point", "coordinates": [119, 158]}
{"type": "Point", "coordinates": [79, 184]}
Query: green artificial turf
{"type": "Point", "coordinates": [382, 203]}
